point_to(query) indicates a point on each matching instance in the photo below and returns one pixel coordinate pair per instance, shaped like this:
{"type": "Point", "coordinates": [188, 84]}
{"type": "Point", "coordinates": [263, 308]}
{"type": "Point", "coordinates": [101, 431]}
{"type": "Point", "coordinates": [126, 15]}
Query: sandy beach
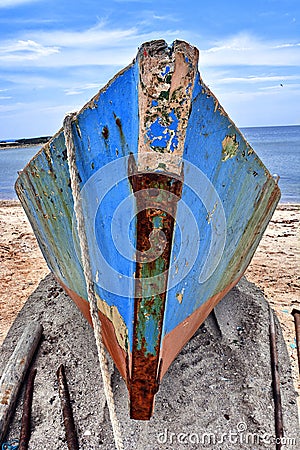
{"type": "Point", "coordinates": [274, 268]}
{"type": "Point", "coordinates": [22, 263]}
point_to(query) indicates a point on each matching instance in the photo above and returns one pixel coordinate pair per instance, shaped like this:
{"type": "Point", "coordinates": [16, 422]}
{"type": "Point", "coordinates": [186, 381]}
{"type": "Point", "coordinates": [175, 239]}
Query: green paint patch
{"type": "Point", "coordinates": [230, 147]}
{"type": "Point", "coordinates": [161, 166]}
{"type": "Point", "coordinates": [158, 222]}
{"type": "Point", "coordinates": [164, 95]}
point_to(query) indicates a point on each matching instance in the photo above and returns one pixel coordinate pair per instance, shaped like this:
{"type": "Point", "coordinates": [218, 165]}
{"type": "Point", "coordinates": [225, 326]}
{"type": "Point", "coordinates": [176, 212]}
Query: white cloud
{"type": "Point", "coordinates": [287, 45]}
{"type": "Point", "coordinates": [295, 87]}
{"type": "Point", "coordinates": [11, 107]}
{"type": "Point", "coordinates": [13, 3]}
{"type": "Point", "coordinates": [103, 45]}
{"type": "Point", "coordinates": [259, 108]}
{"type": "Point", "coordinates": [241, 42]}
{"type": "Point", "coordinates": [73, 92]}
{"type": "Point", "coordinates": [96, 36]}
{"type": "Point", "coordinates": [133, 1]}
{"type": "Point", "coordinates": [92, 86]}
{"type": "Point", "coordinates": [63, 48]}
{"type": "Point", "coordinates": [25, 50]}
{"type": "Point", "coordinates": [84, 87]}
{"type": "Point", "coordinates": [258, 79]}
{"type": "Point", "coordinates": [98, 45]}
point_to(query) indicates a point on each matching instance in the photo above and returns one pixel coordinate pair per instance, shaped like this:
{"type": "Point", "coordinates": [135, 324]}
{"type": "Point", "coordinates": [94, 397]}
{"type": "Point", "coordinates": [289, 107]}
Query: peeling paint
{"type": "Point", "coordinates": [105, 132]}
{"type": "Point", "coordinates": [166, 79]}
{"type": "Point", "coordinates": [156, 195]}
{"type": "Point", "coordinates": [179, 297]}
{"type": "Point", "coordinates": [230, 147]}
{"type": "Point", "coordinates": [211, 213]}
{"type": "Point", "coordinates": [6, 396]}
{"type": "Point", "coordinates": [112, 313]}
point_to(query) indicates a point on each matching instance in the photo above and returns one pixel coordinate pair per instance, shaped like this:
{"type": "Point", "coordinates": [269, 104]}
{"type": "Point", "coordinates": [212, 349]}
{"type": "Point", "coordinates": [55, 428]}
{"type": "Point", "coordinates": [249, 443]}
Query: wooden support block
{"type": "Point", "coordinates": [15, 371]}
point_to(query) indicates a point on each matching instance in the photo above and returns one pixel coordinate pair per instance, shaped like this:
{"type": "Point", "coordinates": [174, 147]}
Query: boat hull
{"type": "Point", "coordinates": [175, 203]}
{"type": "Point", "coordinates": [171, 346]}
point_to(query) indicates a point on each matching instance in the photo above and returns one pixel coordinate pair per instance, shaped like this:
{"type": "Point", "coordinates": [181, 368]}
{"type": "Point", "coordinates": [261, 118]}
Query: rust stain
{"type": "Point", "coordinates": [105, 132]}
{"type": "Point", "coordinates": [143, 386]}
{"type": "Point", "coordinates": [118, 123]}
{"type": "Point", "coordinates": [123, 140]}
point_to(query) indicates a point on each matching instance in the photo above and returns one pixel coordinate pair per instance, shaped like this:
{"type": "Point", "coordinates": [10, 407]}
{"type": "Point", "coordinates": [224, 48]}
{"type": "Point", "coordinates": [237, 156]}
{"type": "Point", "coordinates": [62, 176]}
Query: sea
{"type": "Point", "coordinates": [278, 148]}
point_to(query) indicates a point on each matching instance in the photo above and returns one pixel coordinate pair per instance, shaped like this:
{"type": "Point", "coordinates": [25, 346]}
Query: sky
{"type": "Point", "coordinates": [56, 54]}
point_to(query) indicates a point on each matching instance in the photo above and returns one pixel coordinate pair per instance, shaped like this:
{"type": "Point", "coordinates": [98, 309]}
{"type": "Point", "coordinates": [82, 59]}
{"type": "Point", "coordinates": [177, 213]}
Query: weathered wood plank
{"type": "Point", "coordinates": [15, 372]}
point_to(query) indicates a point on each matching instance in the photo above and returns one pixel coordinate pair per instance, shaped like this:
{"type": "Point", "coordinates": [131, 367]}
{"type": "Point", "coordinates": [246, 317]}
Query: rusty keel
{"type": "Point", "coordinates": [156, 196]}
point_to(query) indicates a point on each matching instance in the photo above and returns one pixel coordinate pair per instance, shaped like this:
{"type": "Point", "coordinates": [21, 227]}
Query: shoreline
{"type": "Point", "coordinates": [24, 142]}
{"type": "Point", "coordinates": [16, 147]}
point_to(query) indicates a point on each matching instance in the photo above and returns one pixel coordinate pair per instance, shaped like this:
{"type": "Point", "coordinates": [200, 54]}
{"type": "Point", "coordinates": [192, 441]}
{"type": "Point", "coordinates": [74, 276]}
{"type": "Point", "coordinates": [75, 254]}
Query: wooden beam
{"type": "Point", "coordinates": [15, 371]}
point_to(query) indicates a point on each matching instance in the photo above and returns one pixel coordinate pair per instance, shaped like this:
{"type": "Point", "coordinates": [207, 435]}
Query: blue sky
{"type": "Point", "coordinates": [56, 54]}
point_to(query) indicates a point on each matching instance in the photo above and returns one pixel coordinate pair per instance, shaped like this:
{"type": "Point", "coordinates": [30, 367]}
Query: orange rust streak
{"type": "Point", "coordinates": [174, 341]}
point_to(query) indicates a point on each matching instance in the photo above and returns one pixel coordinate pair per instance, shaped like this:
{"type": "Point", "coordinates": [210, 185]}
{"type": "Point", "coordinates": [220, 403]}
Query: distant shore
{"type": "Point", "coordinates": [24, 142]}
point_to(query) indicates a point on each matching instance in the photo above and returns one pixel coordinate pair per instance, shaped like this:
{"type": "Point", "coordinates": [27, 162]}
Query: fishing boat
{"type": "Point", "coordinates": [175, 203]}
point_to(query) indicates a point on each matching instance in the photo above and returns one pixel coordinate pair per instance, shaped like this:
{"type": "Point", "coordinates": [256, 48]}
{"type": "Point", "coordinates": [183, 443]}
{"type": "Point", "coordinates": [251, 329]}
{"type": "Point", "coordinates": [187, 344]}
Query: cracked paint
{"type": "Point", "coordinates": [167, 76]}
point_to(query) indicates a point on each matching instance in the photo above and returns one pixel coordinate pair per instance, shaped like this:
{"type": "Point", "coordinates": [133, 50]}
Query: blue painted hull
{"type": "Point", "coordinates": [176, 202]}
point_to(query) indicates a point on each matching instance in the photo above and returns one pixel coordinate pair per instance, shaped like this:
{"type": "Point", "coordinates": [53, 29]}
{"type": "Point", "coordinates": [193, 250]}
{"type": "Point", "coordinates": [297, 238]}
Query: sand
{"type": "Point", "coordinates": [274, 269]}
{"type": "Point", "coordinates": [22, 264]}
{"type": "Point", "coordinates": [217, 394]}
